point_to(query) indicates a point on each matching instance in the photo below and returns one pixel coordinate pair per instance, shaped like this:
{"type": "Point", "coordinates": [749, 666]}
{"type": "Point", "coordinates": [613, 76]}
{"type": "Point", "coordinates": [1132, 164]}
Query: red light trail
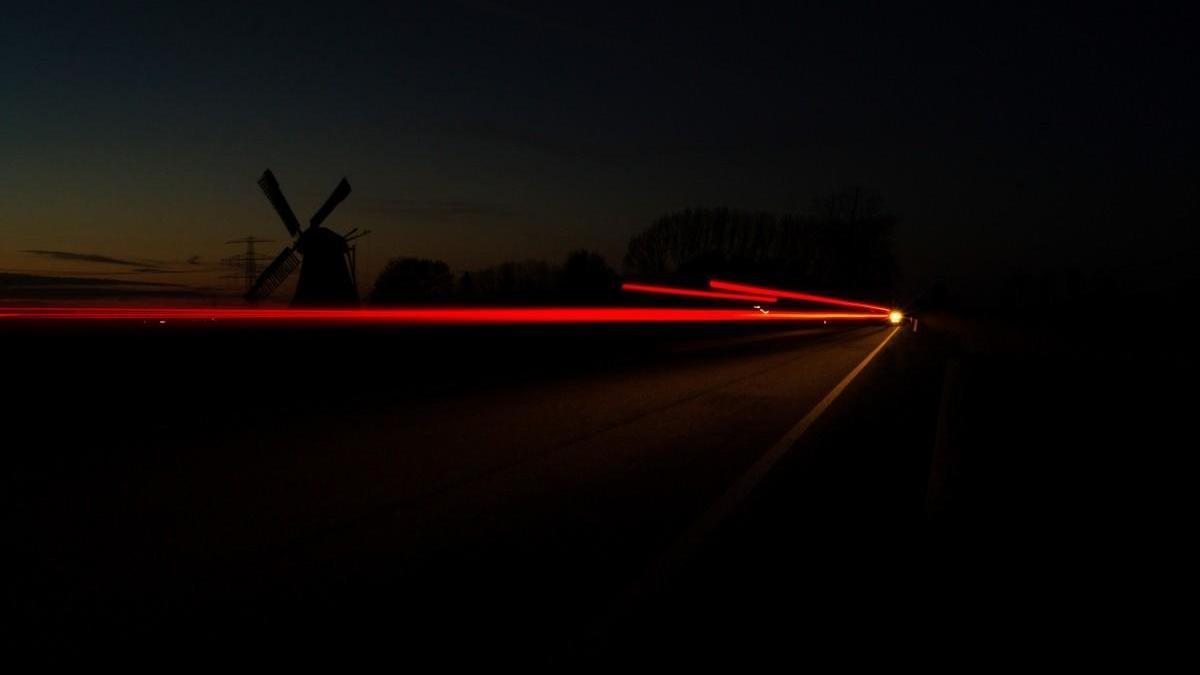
{"type": "Point", "coordinates": [693, 293]}
{"type": "Point", "coordinates": [429, 316]}
{"type": "Point", "coordinates": [790, 295]}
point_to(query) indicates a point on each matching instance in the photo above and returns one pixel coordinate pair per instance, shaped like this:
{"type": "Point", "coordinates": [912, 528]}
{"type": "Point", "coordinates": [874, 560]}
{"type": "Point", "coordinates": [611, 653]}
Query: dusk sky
{"type": "Point", "coordinates": [475, 132]}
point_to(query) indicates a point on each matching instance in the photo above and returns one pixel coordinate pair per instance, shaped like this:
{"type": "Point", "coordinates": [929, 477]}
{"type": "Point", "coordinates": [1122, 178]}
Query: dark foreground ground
{"type": "Point", "coordinates": [491, 496]}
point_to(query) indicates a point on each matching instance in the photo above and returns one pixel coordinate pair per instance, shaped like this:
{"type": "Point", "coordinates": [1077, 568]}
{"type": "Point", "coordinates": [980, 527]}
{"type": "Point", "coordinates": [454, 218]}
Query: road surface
{"type": "Point", "coordinates": [507, 517]}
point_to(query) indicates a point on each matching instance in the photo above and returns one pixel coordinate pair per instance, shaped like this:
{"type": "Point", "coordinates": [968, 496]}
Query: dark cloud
{"type": "Point", "coordinates": [136, 267]}
{"type": "Point", "coordinates": [18, 285]}
{"type": "Point", "coordinates": [84, 257]}
{"type": "Point", "coordinates": [69, 293]}
{"type": "Point", "coordinates": [14, 279]}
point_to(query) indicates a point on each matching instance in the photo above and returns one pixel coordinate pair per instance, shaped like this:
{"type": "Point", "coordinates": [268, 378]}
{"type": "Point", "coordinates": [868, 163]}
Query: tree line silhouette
{"type": "Point", "coordinates": [583, 278]}
{"type": "Point", "coordinates": [843, 244]}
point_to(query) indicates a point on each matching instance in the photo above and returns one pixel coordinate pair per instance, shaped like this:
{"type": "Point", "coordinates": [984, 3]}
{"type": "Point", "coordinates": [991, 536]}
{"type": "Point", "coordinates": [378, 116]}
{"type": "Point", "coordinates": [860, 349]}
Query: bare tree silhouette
{"type": "Point", "coordinates": [844, 242]}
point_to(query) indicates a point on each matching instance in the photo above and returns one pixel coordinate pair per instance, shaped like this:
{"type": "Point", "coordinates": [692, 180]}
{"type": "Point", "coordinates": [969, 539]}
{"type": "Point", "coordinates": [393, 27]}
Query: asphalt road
{"type": "Point", "coordinates": [505, 519]}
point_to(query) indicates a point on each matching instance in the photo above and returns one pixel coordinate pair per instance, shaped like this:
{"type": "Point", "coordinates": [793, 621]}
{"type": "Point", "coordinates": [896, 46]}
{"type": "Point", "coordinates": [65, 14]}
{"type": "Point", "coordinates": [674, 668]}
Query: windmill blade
{"type": "Point", "coordinates": [339, 193]}
{"type": "Point", "coordinates": [275, 274]}
{"type": "Point", "coordinates": [270, 188]}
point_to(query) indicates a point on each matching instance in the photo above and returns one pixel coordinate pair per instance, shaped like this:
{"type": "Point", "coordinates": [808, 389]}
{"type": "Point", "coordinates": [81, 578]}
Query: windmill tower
{"type": "Point", "coordinates": [324, 257]}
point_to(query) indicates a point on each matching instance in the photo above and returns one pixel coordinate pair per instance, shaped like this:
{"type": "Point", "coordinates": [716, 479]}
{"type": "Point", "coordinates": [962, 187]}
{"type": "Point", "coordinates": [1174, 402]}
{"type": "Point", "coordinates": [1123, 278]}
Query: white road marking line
{"type": "Point", "coordinates": [748, 481]}
{"type": "Point", "coordinates": [686, 544]}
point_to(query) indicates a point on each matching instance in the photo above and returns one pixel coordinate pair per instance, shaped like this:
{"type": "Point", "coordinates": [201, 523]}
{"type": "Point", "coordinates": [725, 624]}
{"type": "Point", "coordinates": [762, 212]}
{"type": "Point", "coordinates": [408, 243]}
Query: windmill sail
{"type": "Point", "coordinates": [275, 274]}
{"type": "Point", "coordinates": [270, 188]}
{"type": "Point", "coordinates": [339, 193]}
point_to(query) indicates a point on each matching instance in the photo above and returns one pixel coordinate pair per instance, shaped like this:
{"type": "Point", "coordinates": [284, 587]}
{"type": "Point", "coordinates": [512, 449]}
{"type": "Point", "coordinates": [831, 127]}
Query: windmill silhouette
{"type": "Point", "coordinates": [325, 258]}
